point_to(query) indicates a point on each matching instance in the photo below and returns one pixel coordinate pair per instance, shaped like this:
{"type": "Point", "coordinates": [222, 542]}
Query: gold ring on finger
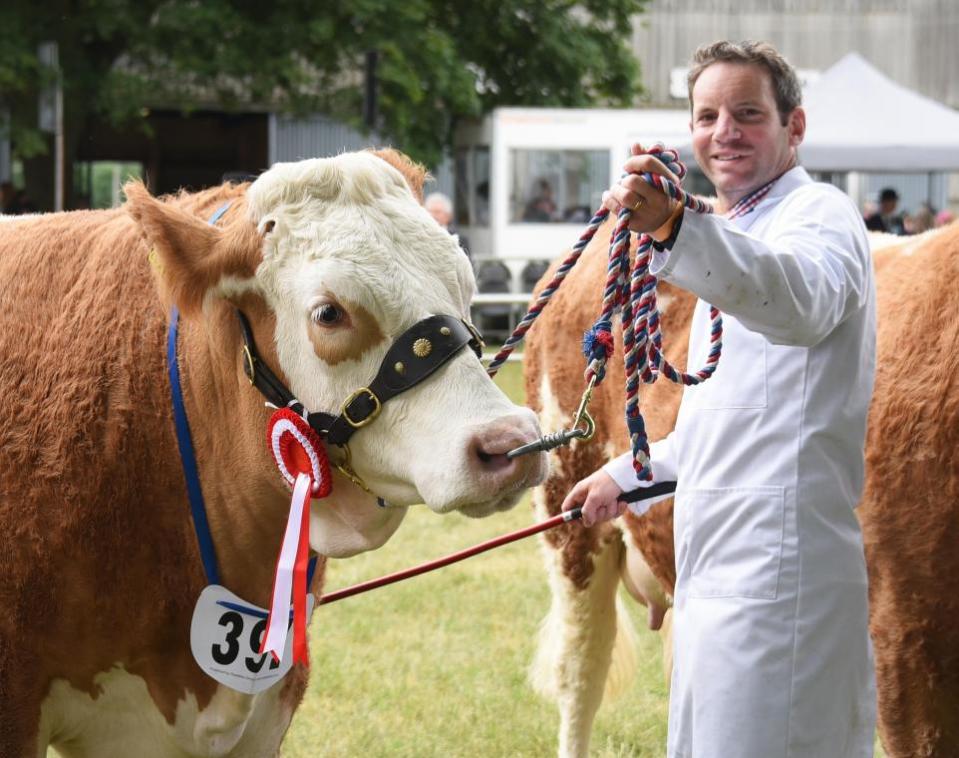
{"type": "Point", "coordinates": [638, 204]}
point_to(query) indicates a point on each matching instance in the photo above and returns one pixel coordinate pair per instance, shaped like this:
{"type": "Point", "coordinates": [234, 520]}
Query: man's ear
{"type": "Point", "coordinates": [414, 173]}
{"type": "Point", "coordinates": [797, 126]}
{"type": "Point", "coordinates": [191, 255]}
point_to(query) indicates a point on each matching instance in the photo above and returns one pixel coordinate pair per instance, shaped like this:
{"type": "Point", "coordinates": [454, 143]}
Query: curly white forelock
{"type": "Point", "coordinates": [360, 178]}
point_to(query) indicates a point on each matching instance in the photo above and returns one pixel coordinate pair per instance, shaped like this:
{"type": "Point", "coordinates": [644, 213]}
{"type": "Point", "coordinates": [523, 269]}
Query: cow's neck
{"type": "Point", "coordinates": [245, 498]}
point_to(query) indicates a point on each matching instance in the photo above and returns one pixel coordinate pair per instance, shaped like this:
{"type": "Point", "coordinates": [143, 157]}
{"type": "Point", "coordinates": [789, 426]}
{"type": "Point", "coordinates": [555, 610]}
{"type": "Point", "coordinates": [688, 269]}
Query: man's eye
{"type": "Point", "coordinates": [327, 315]}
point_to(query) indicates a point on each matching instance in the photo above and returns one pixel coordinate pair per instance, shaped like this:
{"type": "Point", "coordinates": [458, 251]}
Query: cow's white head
{"type": "Point", "coordinates": [349, 260]}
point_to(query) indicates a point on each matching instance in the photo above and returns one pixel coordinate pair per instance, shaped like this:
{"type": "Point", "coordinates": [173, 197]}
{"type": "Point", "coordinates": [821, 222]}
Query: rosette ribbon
{"type": "Point", "coordinates": [302, 461]}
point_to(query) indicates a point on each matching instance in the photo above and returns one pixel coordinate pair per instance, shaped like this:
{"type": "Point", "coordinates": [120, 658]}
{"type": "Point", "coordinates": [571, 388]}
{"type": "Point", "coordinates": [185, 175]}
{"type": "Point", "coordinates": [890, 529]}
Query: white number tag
{"type": "Point", "coordinates": [225, 637]}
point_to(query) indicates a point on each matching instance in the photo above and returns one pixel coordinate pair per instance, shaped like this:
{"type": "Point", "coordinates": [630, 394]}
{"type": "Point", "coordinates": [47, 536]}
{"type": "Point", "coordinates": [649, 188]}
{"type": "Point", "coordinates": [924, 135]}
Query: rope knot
{"type": "Point", "coordinates": [598, 341]}
{"type": "Point", "coordinates": [597, 347]}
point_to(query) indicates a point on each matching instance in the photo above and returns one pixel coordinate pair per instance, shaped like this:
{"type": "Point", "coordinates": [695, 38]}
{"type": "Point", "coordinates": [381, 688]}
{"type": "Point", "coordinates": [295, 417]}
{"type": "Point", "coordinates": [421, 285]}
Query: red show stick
{"type": "Point", "coordinates": [423, 568]}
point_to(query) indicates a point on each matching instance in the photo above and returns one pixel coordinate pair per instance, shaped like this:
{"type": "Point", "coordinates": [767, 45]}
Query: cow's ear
{"type": "Point", "coordinates": [191, 256]}
{"type": "Point", "coordinates": [414, 173]}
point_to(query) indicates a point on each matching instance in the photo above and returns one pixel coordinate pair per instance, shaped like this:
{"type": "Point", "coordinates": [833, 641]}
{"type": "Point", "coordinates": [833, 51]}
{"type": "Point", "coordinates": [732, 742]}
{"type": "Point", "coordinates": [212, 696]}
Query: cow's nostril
{"type": "Point", "coordinates": [488, 447]}
{"type": "Point", "coordinates": [494, 461]}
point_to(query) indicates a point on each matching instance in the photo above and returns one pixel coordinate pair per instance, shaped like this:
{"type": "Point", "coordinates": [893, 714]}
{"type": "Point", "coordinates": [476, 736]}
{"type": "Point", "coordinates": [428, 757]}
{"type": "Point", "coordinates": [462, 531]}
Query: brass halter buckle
{"type": "Point", "coordinates": [377, 407]}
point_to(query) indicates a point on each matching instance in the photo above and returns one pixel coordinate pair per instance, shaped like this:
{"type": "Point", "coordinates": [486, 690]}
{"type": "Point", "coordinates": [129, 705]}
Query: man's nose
{"type": "Point", "coordinates": [726, 128]}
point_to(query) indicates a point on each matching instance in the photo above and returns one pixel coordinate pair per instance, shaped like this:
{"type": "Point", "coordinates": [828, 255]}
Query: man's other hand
{"type": "Point", "coordinates": [598, 496]}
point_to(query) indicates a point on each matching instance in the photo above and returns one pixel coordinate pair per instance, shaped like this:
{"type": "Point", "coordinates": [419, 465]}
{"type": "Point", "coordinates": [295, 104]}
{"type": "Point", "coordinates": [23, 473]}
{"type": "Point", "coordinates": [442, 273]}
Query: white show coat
{"type": "Point", "coordinates": [772, 652]}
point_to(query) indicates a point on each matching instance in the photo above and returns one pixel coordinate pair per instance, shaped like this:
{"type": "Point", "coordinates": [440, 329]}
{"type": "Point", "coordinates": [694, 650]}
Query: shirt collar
{"type": "Point", "coordinates": [774, 190]}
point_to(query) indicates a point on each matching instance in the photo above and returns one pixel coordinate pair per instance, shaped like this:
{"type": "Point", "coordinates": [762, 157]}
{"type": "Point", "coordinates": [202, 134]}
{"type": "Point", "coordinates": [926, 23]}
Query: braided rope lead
{"type": "Point", "coordinates": [536, 308]}
{"type": "Point", "coordinates": [642, 334]}
{"type": "Point", "coordinates": [633, 291]}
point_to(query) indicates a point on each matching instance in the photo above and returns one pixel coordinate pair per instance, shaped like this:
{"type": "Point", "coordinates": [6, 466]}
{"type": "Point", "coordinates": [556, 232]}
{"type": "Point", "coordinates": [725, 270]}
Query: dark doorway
{"type": "Point", "coordinates": [179, 150]}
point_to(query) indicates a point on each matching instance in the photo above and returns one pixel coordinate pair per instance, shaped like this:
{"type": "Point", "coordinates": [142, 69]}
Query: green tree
{"type": "Point", "coordinates": [438, 61]}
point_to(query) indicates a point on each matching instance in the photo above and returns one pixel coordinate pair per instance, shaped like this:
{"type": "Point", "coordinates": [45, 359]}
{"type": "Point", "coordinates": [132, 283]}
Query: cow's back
{"type": "Point", "coordinates": [100, 559]}
{"type": "Point", "coordinates": [73, 314]}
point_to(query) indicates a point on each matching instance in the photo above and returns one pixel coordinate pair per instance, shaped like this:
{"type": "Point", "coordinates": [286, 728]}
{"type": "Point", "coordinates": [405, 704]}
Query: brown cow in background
{"type": "Point", "coordinates": [909, 511]}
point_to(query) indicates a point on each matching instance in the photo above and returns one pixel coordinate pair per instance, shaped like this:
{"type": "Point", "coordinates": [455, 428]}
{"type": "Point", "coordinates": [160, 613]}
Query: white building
{"type": "Point", "coordinates": [528, 179]}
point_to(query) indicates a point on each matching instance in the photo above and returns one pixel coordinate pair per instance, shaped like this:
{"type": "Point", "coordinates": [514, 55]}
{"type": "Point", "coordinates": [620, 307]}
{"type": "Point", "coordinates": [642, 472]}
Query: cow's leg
{"type": "Point", "coordinates": [917, 673]}
{"type": "Point", "coordinates": [586, 643]}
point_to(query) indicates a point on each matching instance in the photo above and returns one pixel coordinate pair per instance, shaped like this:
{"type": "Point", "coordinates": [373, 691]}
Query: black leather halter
{"type": "Point", "coordinates": [413, 356]}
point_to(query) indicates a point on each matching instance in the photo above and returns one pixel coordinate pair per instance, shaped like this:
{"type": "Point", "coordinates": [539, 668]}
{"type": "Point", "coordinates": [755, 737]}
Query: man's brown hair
{"type": "Point", "coordinates": [785, 83]}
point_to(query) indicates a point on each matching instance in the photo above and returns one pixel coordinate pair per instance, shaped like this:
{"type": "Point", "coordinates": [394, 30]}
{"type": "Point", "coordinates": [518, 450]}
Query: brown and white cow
{"type": "Point", "coordinates": [909, 511]}
{"type": "Point", "coordinates": [330, 260]}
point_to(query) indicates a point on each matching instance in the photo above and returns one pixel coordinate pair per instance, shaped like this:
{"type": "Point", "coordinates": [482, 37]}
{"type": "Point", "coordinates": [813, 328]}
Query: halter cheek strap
{"type": "Point", "coordinates": [414, 356]}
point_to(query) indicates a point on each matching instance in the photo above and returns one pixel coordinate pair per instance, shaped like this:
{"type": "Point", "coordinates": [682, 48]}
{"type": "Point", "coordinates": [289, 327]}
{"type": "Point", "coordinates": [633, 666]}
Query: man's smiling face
{"type": "Point", "coordinates": [739, 139]}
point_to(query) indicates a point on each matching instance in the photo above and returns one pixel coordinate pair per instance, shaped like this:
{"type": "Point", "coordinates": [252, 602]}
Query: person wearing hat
{"type": "Point", "coordinates": [885, 219]}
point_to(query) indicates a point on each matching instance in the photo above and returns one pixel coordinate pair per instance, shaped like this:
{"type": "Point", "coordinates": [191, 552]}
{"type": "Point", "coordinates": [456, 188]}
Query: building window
{"type": "Point", "coordinates": [557, 186]}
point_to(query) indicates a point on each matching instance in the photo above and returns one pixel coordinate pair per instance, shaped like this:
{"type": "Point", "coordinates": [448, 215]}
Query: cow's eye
{"type": "Point", "coordinates": [327, 315]}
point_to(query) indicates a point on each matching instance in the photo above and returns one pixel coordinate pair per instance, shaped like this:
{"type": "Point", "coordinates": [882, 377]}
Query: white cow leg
{"type": "Point", "coordinates": [586, 646]}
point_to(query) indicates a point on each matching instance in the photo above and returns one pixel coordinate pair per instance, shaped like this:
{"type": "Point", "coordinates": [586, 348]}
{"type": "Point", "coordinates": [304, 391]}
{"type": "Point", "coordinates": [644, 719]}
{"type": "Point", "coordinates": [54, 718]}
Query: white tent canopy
{"type": "Point", "coordinates": [859, 120]}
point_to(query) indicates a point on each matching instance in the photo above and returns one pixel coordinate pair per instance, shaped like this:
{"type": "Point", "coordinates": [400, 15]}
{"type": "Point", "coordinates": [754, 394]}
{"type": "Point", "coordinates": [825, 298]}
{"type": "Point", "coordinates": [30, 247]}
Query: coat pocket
{"type": "Point", "coordinates": [740, 379]}
{"type": "Point", "coordinates": [735, 541]}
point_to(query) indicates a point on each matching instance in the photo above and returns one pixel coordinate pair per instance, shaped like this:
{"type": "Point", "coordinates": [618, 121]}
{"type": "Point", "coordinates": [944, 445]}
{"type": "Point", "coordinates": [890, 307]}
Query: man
{"type": "Point", "coordinates": [440, 208]}
{"type": "Point", "coordinates": [885, 218]}
{"type": "Point", "coordinates": [772, 653]}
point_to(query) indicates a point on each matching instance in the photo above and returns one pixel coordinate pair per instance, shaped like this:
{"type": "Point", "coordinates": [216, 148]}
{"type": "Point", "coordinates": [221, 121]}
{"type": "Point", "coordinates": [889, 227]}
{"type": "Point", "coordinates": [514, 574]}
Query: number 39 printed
{"type": "Point", "coordinates": [225, 636]}
{"type": "Point", "coordinates": [225, 654]}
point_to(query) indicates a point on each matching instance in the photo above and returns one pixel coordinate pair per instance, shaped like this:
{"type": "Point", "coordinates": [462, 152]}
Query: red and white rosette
{"type": "Point", "coordinates": [301, 458]}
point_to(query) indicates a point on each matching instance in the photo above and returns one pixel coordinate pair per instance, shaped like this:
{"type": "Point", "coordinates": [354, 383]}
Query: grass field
{"type": "Point", "coordinates": [436, 666]}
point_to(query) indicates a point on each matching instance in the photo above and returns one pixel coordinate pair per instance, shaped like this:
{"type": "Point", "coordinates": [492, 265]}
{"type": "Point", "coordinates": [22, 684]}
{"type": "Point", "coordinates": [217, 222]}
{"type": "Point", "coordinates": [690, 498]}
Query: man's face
{"type": "Point", "coordinates": [739, 139]}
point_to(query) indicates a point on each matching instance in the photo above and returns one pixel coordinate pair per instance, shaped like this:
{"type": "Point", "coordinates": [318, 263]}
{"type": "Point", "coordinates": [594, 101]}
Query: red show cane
{"type": "Point", "coordinates": [423, 568]}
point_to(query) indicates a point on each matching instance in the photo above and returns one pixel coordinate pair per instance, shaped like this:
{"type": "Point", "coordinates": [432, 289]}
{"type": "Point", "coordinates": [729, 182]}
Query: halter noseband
{"type": "Point", "coordinates": [413, 356]}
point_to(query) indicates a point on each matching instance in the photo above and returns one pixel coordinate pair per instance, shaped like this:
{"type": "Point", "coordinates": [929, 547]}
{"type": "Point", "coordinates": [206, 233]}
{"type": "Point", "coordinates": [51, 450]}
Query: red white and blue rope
{"type": "Point", "coordinates": [633, 290]}
{"type": "Point", "coordinates": [536, 308]}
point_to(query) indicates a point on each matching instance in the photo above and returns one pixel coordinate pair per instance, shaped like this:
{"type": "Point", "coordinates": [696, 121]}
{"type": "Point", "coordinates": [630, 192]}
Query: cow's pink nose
{"type": "Point", "coordinates": [490, 443]}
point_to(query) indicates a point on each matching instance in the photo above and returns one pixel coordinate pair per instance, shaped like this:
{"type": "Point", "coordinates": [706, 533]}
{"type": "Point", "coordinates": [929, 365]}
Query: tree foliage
{"type": "Point", "coordinates": [439, 60]}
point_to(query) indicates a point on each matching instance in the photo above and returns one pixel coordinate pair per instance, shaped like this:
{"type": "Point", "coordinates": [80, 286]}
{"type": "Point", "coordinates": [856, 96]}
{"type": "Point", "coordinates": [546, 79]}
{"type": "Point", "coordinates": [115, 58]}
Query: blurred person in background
{"type": "Point", "coordinates": [885, 219]}
{"type": "Point", "coordinates": [440, 208]}
{"type": "Point", "coordinates": [921, 221]}
{"type": "Point", "coordinates": [541, 207]}
{"type": "Point", "coordinates": [944, 217]}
